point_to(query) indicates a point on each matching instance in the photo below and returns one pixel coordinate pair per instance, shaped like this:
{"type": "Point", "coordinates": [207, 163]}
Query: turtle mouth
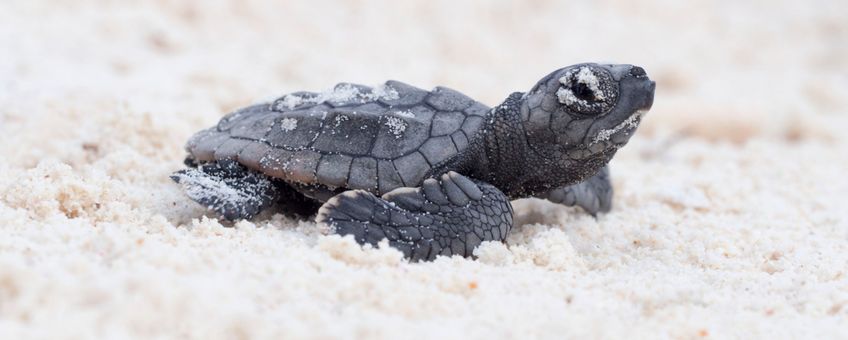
{"type": "Point", "coordinates": [620, 133]}
{"type": "Point", "coordinates": [621, 137]}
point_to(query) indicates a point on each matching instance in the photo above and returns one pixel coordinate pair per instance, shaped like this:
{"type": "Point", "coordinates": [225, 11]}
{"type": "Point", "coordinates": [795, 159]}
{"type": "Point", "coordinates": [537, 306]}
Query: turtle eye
{"type": "Point", "coordinates": [587, 90]}
{"type": "Point", "coordinates": [583, 92]}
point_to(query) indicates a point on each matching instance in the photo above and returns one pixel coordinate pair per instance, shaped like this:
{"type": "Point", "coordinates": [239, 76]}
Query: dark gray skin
{"type": "Point", "coordinates": [431, 171]}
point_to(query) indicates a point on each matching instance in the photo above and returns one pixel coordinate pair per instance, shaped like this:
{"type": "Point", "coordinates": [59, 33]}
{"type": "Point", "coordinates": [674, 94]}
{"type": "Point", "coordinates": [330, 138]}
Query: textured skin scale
{"type": "Point", "coordinates": [431, 171]}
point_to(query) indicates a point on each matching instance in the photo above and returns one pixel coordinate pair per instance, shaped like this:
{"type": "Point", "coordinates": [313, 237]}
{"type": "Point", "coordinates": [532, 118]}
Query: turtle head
{"type": "Point", "coordinates": [585, 112]}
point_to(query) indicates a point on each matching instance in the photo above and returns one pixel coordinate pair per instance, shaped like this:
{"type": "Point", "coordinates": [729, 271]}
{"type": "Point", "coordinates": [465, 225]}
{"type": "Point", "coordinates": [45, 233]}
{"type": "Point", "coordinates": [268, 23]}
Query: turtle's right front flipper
{"type": "Point", "coordinates": [593, 195]}
{"type": "Point", "coordinates": [450, 215]}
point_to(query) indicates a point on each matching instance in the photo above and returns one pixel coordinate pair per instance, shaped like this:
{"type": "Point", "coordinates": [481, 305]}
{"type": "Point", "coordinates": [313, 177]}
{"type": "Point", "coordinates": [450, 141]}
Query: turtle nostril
{"type": "Point", "coordinates": [637, 72]}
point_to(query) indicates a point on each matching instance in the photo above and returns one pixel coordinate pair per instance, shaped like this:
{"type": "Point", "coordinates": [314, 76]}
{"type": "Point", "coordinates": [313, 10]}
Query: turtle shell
{"type": "Point", "coordinates": [354, 136]}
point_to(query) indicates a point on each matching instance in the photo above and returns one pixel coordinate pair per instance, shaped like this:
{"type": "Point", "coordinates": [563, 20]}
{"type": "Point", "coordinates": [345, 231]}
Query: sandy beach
{"type": "Point", "coordinates": [730, 219]}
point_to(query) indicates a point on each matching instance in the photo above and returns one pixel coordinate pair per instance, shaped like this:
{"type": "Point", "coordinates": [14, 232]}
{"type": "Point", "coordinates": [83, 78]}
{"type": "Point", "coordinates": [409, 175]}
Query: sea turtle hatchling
{"type": "Point", "coordinates": [431, 171]}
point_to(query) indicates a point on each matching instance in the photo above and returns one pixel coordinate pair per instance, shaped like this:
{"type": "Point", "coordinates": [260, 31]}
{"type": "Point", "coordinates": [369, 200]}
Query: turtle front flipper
{"type": "Point", "coordinates": [450, 215]}
{"type": "Point", "coordinates": [593, 195]}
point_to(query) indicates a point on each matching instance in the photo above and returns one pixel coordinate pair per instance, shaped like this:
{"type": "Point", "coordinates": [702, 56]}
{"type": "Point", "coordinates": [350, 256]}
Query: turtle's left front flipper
{"type": "Point", "coordinates": [593, 195]}
{"type": "Point", "coordinates": [450, 215]}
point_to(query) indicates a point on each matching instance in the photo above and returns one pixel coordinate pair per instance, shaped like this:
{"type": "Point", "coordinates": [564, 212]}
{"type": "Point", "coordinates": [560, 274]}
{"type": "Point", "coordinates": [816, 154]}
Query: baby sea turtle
{"type": "Point", "coordinates": [431, 171]}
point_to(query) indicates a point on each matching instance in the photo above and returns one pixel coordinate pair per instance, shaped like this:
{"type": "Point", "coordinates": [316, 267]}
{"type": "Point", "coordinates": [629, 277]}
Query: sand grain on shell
{"type": "Point", "coordinates": [396, 126]}
{"type": "Point", "coordinates": [341, 94]}
{"type": "Point", "coordinates": [288, 124]}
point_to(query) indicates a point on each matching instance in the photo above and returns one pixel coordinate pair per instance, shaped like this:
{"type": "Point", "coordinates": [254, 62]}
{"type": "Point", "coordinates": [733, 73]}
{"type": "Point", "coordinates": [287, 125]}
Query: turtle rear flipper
{"type": "Point", "coordinates": [451, 215]}
{"type": "Point", "coordinates": [228, 188]}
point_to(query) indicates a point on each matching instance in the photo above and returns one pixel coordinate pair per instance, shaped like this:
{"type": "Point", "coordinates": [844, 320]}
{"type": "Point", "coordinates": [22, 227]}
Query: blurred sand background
{"type": "Point", "coordinates": [729, 222]}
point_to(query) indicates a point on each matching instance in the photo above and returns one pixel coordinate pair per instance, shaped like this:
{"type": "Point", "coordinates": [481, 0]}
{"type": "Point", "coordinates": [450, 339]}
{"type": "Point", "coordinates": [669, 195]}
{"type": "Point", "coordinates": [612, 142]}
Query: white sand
{"type": "Point", "coordinates": [342, 94]}
{"type": "Point", "coordinates": [730, 214]}
{"type": "Point", "coordinates": [288, 124]}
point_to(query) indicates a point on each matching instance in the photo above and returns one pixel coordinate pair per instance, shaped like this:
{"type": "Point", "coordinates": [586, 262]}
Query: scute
{"type": "Point", "coordinates": [252, 154]}
{"type": "Point", "coordinates": [203, 147]}
{"type": "Point", "coordinates": [297, 135]}
{"type": "Point", "coordinates": [412, 168]}
{"type": "Point", "coordinates": [294, 101]}
{"type": "Point", "coordinates": [351, 94]}
{"type": "Point", "coordinates": [303, 166]}
{"type": "Point", "coordinates": [446, 123]}
{"type": "Point", "coordinates": [254, 127]}
{"type": "Point", "coordinates": [276, 163]}
{"type": "Point", "coordinates": [445, 99]}
{"type": "Point", "coordinates": [460, 140]}
{"type": "Point", "coordinates": [333, 170]}
{"type": "Point", "coordinates": [195, 141]}
{"type": "Point", "coordinates": [407, 94]}
{"type": "Point", "coordinates": [389, 145]}
{"type": "Point", "coordinates": [388, 176]}
{"type": "Point", "coordinates": [438, 149]}
{"type": "Point", "coordinates": [477, 109]}
{"type": "Point", "coordinates": [471, 125]}
{"type": "Point", "coordinates": [230, 149]}
{"type": "Point", "coordinates": [239, 116]}
{"type": "Point", "coordinates": [348, 133]}
{"type": "Point", "coordinates": [363, 174]}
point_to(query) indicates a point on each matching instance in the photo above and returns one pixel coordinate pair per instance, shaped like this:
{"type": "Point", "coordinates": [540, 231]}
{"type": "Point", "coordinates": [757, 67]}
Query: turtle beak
{"type": "Point", "coordinates": [650, 86]}
{"type": "Point", "coordinates": [644, 86]}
